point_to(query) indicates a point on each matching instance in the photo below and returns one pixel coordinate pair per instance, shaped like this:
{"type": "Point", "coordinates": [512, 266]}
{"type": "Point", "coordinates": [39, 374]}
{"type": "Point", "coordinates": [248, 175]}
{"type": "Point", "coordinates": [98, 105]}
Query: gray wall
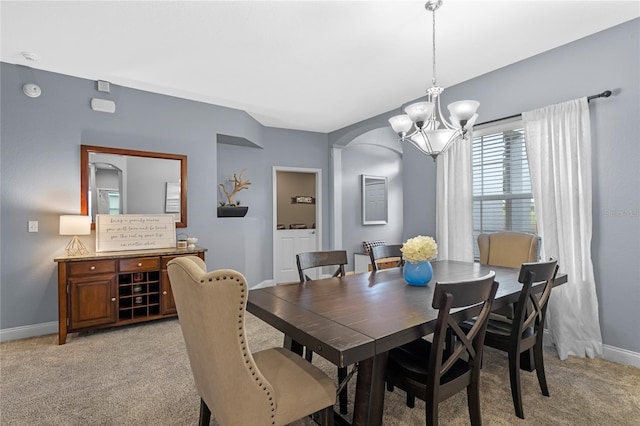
{"type": "Point", "coordinates": [40, 168]}
{"type": "Point", "coordinates": [40, 176]}
{"type": "Point", "coordinates": [365, 156]}
{"type": "Point", "coordinates": [606, 60]}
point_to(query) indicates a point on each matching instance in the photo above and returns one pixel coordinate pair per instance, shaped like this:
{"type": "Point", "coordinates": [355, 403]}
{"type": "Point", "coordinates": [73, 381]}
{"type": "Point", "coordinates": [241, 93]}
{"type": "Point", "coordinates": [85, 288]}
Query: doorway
{"type": "Point", "coordinates": [297, 218]}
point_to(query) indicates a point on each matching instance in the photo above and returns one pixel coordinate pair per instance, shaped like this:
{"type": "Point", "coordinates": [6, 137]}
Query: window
{"type": "Point", "coordinates": [502, 196]}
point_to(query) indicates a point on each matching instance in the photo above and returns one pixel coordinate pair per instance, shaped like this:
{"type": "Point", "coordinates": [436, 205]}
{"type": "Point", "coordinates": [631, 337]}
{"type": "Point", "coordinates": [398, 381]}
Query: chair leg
{"type": "Point", "coordinates": [431, 411]}
{"type": "Point", "coordinates": [473, 400]}
{"type": "Point", "coordinates": [539, 361]}
{"type": "Point", "coordinates": [205, 414]}
{"type": "Point", "coordinates": [411, 400]}
{"type": "Point", "coordinates": [324, 417]}
{"type": "Point", "coordinates": [342, 398]}
{"type": "Point", "coordinates": [514, 377]}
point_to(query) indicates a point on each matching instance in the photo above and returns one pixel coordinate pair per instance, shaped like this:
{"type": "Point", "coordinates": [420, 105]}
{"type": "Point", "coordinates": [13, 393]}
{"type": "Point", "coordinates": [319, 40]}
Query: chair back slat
{"type": "Point", "coordinates": [532, 303]}
{"type": "Point", "coordinates": [317, 259]}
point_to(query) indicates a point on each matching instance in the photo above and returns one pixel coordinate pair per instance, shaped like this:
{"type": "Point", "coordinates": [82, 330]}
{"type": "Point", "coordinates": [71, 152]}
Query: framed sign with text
{"type": "Point", "coordinates": [303, 199]}
{"type": "Point", "coordinates": [134, 232]}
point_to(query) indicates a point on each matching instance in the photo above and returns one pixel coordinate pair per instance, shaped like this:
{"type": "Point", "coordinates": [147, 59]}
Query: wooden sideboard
{"type": "Point", "coordinates": [112, 289]}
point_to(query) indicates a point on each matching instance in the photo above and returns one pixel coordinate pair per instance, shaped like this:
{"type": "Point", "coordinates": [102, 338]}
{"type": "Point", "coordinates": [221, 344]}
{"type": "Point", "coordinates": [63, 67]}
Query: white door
{"type": "Point", "coordinates": [289, 242]}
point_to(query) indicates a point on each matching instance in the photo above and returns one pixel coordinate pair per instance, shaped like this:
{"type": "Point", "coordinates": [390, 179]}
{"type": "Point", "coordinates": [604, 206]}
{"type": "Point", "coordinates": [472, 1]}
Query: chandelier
{"type": "Point", "coordinates": [421, 125]}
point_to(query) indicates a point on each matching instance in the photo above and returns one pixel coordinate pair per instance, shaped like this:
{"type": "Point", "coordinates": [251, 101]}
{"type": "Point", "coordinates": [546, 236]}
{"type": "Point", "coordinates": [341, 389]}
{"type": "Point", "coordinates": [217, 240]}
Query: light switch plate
{"type": "Point", "coordinates": [33, 226]}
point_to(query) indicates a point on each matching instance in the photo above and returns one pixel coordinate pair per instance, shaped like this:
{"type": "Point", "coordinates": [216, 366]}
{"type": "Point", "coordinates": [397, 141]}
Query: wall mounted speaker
{"type": "Point", "coordinates": [103, 105]}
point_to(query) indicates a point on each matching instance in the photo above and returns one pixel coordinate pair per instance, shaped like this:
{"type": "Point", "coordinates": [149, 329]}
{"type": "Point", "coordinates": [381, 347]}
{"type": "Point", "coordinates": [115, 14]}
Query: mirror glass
{"type": "Point", "coordinates": [374, 200]}
{"type": "Point", "coordinates": [123, 181]}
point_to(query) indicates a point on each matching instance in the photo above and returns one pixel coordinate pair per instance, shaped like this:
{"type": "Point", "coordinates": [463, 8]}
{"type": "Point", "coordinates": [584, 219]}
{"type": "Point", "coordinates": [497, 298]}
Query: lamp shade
{"type": "Point", "coordinates": [420, 111]}
{"type": "Point", "coordinates": [401, 123]}
{"type": "Point", "coordinates": [75, 225]}
{"type": "Point", "coordinates": [463, 110]}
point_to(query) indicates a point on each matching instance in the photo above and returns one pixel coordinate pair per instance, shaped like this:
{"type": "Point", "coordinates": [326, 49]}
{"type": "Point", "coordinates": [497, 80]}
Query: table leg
{"type": "Point", "coordinates": [369, 398]}
{"type": "Point", "coordinates": [292, 345]}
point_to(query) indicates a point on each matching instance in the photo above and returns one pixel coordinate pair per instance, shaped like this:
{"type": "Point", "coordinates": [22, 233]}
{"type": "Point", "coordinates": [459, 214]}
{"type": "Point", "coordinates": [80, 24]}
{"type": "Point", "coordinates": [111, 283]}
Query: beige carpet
{"type": "Point", "coordinates": [140, 375]}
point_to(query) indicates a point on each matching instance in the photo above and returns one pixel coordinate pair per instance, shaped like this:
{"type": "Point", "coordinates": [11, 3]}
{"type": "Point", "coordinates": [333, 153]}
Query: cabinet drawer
{"type": "Point", "coordinates": [166, 259]}
{"type": "Point", "coordinates": [140, 264]}
{"type": "Point", "coordinates": [91, 267]}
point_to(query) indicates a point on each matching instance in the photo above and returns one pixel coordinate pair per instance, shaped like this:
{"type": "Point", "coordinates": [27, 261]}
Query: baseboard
{"type": "Point", "coordinates": [621, 356]}
{"type": "Point", "coordinates": [610, 353]}
{"type": "Point", "coordinates": [25, 331]}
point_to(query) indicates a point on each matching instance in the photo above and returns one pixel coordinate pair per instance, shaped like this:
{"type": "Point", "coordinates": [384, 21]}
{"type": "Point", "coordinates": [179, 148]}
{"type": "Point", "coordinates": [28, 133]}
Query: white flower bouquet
{"type": "Point", "coordinates": [419, 249]}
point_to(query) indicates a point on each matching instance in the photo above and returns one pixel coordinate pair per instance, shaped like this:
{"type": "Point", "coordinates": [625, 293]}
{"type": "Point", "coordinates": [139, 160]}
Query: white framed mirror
{"type": "Point", "coordinates": [374, 200]}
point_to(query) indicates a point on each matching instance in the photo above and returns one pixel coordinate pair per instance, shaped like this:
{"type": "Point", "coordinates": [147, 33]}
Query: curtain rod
{"type": "Point", "coordinates": [604, 94]}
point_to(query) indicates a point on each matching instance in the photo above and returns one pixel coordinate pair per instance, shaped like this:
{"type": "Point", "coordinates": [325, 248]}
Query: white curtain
{"type": "Point", "coordinates": [454, 203]}
{"type": "Point", "coordinates": [558, 140]}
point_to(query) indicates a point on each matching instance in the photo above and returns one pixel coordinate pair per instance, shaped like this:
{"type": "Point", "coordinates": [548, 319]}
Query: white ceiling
{"type": "Point", "coordinates": [309, 65]}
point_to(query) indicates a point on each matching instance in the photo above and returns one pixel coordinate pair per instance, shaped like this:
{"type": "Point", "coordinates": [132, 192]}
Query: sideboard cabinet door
{"type": "Point", "coordinates": [92, 301]}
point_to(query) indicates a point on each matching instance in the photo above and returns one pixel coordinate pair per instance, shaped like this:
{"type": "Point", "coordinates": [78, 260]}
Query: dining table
{"type": "Point", "coordinates": [358, 318]}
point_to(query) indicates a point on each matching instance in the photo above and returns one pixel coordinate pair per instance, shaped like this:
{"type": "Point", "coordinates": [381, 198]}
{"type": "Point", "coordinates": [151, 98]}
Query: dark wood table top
{"type": "Point", "coordinates": [352, 318]}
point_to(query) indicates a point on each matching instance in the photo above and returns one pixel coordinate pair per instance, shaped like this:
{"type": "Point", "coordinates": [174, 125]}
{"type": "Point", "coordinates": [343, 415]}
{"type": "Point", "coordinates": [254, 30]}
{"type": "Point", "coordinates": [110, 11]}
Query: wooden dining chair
{"type": "Point", "coordinates": [427, 370]}
{"type": "Point", "coordinates": [269, 387]}
{"type": "Point", "coordinates": [527, 327]}
{"type": "Point", "coordinates": [386, 254]}
{"type": "Point", "coordinates": [317, 259]}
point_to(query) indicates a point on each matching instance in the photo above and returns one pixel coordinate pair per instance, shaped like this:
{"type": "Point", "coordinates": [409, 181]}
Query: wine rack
{"type": "Point", "coordinates": [138, 295]}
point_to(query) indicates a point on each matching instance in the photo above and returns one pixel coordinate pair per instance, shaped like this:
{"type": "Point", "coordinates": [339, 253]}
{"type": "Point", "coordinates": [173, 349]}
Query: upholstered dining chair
{"type": "Point", "coordinates": [527, 327]}
{"type": "Point", "coordinates": [508, 249]}
{"type": "Point", "coordinates": [430, 372]}
{"type": "Point", "coordinates": [386, 253]}
{"type": "Point", "coordinates": [317, 259]}
{"type": "Point", "coordinates": [270, 387]}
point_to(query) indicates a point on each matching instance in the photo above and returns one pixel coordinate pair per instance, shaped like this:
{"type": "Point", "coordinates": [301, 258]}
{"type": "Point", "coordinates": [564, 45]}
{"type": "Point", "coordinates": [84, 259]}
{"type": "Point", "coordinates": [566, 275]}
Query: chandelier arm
{"type": "Point", "coordinates": [442, 120]}
{"type": "Point", "coordinates": [458, 135]}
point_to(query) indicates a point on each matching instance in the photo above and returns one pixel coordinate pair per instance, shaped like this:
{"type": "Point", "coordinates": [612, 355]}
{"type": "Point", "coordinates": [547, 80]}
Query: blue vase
{"type": "Point", "coordinates": [418, 274]}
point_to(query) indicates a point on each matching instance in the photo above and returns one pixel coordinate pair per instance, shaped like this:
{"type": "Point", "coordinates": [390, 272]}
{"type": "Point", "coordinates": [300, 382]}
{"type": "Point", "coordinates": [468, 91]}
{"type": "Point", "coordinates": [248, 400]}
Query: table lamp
{"type": "Point", "coordinates": [75, 225]}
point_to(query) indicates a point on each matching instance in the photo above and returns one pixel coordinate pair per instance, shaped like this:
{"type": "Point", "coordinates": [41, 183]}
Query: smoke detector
{"type": "Point", "coordinates": [31, 90]}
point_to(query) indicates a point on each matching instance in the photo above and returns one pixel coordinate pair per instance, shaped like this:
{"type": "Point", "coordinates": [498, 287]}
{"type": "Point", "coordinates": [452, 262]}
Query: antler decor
{"type": "Point", "coordinates": [238, 185]}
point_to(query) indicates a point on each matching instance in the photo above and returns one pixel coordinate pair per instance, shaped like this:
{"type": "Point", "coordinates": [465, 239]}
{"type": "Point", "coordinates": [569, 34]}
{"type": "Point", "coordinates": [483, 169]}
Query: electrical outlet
{"type": "Point", "coordinates": [33, 226]}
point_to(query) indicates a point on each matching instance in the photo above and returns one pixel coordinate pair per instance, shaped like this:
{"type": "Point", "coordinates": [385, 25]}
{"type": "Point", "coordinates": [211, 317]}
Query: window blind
{"type": "Point", "coordinates": [502, 196]}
